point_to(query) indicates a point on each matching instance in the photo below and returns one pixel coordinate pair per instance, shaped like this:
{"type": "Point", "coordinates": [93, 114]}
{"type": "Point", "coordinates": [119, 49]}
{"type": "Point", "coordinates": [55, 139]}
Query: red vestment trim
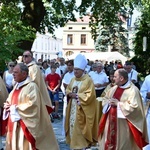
{"type": "Point", "coordinates": [111, 140]}
{"type": "Point", "coordinates": [27, 134]}
{"type": "Point", "coordinates": [112, 127]}
{"type": "Point", "coordinates": [102, 124]}
{"type": "Point", "coordinates": [49, 109]}
{"type": "Point", "coordinates": [140, 141]}
{"type": "Point", "coordinates": [3, 124]}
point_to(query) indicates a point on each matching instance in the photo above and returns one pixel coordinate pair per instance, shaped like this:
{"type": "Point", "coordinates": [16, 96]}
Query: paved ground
{"type": "Point", "coordinates": [57, 126]}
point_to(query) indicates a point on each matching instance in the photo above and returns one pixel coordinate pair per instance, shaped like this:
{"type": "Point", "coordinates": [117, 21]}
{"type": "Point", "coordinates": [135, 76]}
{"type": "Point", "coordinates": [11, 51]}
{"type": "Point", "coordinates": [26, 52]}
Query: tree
{"type": "Point", "coordinates": [12, 33]}
{"type": "Point", "coordinates": [20, 20]}
{"type": "Point", "coordinates": [104, 12]}
{"type": "Point", "coordinates": [107, 18]}
{"type": "Point", "coordinates": [34, 15]}
{"type": "Point", "coordinates": [116, 36]}
{"type": "Point", "coordinates": [142, 59]}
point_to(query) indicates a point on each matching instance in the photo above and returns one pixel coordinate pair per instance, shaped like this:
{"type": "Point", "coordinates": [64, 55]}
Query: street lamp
{"type": "Point", "coordinates": [144, 43]}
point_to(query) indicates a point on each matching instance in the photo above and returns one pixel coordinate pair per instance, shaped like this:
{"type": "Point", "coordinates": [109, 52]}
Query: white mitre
{"type": "Point", "coordinates": [80, 62]}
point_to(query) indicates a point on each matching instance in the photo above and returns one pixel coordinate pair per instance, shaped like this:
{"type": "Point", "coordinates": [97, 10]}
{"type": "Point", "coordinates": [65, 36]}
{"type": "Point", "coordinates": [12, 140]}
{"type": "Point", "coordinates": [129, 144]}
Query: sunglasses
{"type": "Point", "coordinates": [11, 65]}
{"type": "Point", "coordinates": [26, 56]}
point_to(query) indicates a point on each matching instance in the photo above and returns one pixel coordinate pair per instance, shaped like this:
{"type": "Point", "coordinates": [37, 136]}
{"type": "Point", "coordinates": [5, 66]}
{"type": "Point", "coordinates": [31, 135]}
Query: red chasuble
{"type": "Point", "coordinates": [27, 134]}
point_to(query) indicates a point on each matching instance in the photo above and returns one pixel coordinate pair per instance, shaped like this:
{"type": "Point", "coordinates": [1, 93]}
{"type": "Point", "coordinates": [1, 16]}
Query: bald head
{"type": "Point", "coordinates": [120, 77]}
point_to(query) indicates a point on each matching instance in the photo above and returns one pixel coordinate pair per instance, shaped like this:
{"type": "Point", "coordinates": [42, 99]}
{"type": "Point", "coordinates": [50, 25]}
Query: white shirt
{"type": "Point", "coordinates": [67, 77]}
{"type": "Point", "coordinates": [145, 88]}
{"type": "Point", "coordinates": [91, 73]}
{"type": "Point", "coordinates": [9, 78]}
{"type": "Point", "coordinates": [63, 68]}
{"type": "Point", "coordinates": [87, 69]}
{"type": "Point", "coordinates": [133, 75]}
{"type": "Point", "coordinates": [99, 78]}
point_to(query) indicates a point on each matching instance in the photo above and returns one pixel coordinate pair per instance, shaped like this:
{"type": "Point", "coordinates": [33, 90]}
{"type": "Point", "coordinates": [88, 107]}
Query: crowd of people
{"type": "Point", "coordinates": [103, 103]}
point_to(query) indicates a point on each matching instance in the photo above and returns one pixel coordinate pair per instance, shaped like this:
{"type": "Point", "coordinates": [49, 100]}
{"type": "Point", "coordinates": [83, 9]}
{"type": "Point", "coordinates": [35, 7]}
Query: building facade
{"type": "Point", "coordinates": [46, 47]}
{"type": "Point", "coordinates": [77, 37]}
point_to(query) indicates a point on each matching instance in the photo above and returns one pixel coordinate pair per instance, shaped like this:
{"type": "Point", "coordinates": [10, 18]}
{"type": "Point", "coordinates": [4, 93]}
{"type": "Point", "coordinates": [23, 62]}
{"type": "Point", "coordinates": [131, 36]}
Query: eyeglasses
{"type": "Point", "coordinates": [26, 56]}
{"type": "Point", "coordinates": [11, 65]}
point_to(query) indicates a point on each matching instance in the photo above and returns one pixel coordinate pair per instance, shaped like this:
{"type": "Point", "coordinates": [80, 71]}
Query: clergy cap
{"type": "Point", "coordinates": [80, 62]}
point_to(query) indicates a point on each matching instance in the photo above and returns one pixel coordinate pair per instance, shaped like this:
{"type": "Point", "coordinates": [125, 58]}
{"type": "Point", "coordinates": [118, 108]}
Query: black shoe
{"type": "Point", "coordinates": [57, 116]}
{"type": "Point", "coordinates": [52, 118]}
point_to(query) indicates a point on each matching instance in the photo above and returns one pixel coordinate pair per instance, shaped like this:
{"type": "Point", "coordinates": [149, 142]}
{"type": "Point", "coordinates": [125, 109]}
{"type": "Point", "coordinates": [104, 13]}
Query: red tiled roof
{"type": "Point", "coordinates": [83, 19]}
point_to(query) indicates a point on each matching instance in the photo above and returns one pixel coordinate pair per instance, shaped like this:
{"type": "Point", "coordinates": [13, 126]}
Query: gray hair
{"type": "Point", "coordinates": [23, 67]}
{"type": "Point", "coordinates": [99, 64]}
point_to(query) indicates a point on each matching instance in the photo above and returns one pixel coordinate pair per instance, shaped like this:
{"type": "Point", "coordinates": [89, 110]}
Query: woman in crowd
{"type": "Point", "coordinates": [8, 77]}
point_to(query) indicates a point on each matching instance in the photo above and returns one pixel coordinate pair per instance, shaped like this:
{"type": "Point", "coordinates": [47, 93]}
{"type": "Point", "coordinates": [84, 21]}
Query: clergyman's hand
{"type": "Point", "coordinates": [113, 102]}
{"type": "Point", "coordinates": [7, 106]}
{"type": "Point", "coordinates": [72, 95]}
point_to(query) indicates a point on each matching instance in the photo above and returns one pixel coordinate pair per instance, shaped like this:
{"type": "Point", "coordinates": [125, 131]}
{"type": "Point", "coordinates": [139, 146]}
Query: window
{"type": "Point", "coordinates": [36, 56]}
{"type": "Point", "coordinates": [42, 57]}
{"type": "Point", "coordinates": [69, 39]}
{"type": "Point", "coordinates": [69, 53]}
{"type": "Point", "coordinates": [70, 27]}
{"type": "Point", "coordinates": [83, 28]}
{"type": "Point", "coordinates": [82, 51]}
{"type": "Point", "coordinates": [45, 56]}
{"type": "Point", "coordinates": [83, 38]}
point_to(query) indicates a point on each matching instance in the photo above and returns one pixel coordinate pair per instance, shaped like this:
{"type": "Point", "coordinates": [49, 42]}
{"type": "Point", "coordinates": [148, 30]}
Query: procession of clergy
{"type": "Point", "coordinates": [112, 113]}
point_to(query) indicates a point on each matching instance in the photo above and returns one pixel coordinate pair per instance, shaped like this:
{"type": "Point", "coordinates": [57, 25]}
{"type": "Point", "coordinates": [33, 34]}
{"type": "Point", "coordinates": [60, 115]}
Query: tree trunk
{"type": "Point", "coordinates": [33, 14]}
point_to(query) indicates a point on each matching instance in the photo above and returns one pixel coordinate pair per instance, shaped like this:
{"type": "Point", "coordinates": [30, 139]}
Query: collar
{"type": "Point", "coordinates": [99, 72]}
{"type": "Point", "coordinates": [131, 71]}
{"type": "Point", "coordinates": [71, 72]}
{"type": "Point", "coordinates": [82, 77]}
{"type": "Point", "coordinates": [31, 63]}
{"type": "Point", "coordinates": [126, 85]}
{"type": "Point", "coordinates": [21, 84]}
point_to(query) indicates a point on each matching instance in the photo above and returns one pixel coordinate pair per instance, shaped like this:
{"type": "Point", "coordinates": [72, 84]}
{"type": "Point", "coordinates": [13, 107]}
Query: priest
{"type": "Point", "coordinates": [123, 124]}
{"type": "Point", "coordinates": [29, 126]}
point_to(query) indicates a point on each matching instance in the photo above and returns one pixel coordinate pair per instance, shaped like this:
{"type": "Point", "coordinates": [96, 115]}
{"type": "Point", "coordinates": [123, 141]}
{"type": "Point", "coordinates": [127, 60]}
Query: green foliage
{"type": "Point", "coordinates": [18, 25]}
{"type": "Point", "coordinates": [12, 32]}
{"type": "Point", "coordinates": [58, 13]}
{"type": "Point", "coordinates": [116, 36]}
{"type": "Point", "coordinates": [142, 59]}
{"type": "Point", "coordinates": [104, 19]}
{"type": "Point", "coordinates": [107, 27]}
